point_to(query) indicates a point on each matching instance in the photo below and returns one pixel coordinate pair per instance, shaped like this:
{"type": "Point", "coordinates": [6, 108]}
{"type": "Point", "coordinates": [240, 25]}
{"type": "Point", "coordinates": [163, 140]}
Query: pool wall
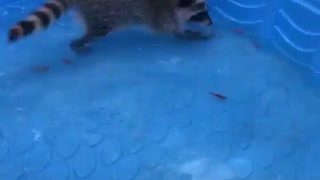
{"type": "Point", "coordinates": [287, 26]}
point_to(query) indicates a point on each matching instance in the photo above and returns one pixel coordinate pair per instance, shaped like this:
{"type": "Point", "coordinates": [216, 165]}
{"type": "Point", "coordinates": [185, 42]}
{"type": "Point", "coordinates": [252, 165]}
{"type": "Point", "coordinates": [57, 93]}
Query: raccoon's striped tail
{"type": "Point", "coordinates": [39, 19]}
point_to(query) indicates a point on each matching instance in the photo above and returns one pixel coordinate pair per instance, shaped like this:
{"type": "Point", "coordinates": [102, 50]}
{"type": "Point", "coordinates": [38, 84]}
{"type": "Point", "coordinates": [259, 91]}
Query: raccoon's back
{"type": "Point", "coordinates": [125, 11]}
{"type": "Point", "coordinates": [112, 10]}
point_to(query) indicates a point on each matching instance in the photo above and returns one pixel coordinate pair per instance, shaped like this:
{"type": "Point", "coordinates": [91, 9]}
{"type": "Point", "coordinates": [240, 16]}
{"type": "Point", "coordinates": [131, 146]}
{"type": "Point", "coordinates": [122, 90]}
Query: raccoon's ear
{"type": "Point", "coordinates": [186, 3]}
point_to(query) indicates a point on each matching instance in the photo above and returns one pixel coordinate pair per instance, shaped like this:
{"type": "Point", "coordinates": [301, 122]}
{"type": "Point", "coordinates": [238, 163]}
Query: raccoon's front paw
{"type": "Point", "coordinates": [196, 35]}
{"type": "Point", "coordinates": [79, 45]}
{"type": "Point", "coordinates": [193, 35]}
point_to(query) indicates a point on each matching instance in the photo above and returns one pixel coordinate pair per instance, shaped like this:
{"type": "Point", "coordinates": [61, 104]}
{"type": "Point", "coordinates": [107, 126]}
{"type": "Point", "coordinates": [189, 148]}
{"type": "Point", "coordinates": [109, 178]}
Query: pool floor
{"type": "Point", "coordinates": [141, 106]}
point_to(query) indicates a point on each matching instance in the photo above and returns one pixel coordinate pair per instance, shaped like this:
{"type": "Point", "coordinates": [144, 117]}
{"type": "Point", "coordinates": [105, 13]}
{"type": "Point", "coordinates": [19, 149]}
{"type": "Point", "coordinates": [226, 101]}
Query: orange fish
{"type": "Point", "coordinates": [238, 31]}
{"type": "Point", "coordinates": [41, 68]}
{"type": "Point", "coordinates": [256, 45]}
{"type": "Point", "coordinates": [218, 95]}
{"type": "Point", "coordinates": [67, 61]}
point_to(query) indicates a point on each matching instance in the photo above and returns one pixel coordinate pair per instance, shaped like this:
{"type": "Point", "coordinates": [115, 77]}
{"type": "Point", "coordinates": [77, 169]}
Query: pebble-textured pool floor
{"type": "Point", "coordinates": [139, 107]}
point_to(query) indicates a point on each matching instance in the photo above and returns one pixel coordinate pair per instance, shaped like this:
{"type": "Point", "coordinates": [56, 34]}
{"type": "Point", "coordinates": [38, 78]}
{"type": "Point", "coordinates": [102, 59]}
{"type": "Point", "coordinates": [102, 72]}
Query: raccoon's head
{"type": "Point", "coordinates": [189, 3]}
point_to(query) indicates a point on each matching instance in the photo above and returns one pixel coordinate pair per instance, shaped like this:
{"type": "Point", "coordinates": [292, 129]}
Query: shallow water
{"type": "Point", "coordinates": [140, 103]}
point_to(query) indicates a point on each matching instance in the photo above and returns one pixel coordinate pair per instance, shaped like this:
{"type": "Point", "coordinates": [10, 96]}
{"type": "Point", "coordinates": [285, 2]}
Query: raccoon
{"type": "Point", "coordinates": [104, 16]}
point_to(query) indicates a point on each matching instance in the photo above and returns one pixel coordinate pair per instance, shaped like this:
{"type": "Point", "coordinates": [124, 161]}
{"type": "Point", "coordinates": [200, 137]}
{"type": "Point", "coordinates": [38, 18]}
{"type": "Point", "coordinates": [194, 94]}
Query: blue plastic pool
{"type": "Point", "coordinates": [144, 110]}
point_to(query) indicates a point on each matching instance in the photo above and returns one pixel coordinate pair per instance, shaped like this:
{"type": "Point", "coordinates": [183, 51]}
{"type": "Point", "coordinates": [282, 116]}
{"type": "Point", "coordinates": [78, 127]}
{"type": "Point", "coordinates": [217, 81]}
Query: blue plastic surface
{"type": "Point", "coordinates": [139, 107]}
{"type": "Point", "coordinates": [287, 25]}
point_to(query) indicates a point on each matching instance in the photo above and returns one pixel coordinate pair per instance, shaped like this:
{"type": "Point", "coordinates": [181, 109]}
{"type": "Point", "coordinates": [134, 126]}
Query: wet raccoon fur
{"type": "Point", "coordinates": [104, 16]}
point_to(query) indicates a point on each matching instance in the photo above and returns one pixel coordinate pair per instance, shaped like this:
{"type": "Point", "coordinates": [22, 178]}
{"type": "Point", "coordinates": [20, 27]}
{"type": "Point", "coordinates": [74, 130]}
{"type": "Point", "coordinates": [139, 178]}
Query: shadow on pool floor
{"type": "Point", "coordinates": [139, 107]}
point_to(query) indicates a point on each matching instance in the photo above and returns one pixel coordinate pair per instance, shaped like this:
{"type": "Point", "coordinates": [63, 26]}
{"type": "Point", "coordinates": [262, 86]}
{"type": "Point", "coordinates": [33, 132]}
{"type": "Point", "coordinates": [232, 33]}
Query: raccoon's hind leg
{"type": "Point", "coordinates": [94, 29]}
{"type": "Point", "coordinates": [92, 33]}
{"type": "Point", "coordinates": [80, 43]}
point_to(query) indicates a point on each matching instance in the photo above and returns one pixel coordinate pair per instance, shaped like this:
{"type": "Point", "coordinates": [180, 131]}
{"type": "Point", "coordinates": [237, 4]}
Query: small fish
{"type": "Point", "coordinates": [256, 45]}
{"type": "Point", "coordinates": [67, 61]}
{"type": "Point", "coordinates": [219, 36]}
{"type": "Point", "coordinates": [218, 95]}
{"type": "Point", "coordinates": [238, 31]}
{"type": "Point", "coordinates": [41, 68]}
